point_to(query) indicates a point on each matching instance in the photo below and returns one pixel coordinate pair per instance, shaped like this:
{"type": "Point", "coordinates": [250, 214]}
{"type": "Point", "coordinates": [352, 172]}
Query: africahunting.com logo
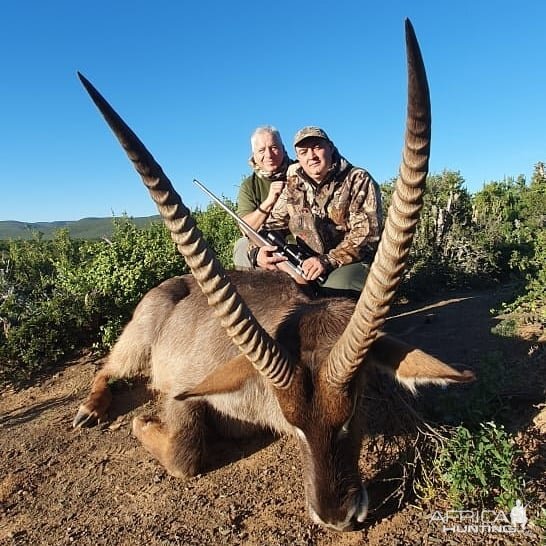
{"type": "Point", "coordinates": [482, 521]}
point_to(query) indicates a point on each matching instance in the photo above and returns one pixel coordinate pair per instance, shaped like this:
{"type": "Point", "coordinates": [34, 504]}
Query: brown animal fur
{"type": "Point", "coordinates": [175, 339]}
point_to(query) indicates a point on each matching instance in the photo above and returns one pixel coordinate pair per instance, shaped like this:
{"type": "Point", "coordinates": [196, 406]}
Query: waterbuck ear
{"type": "Point", "coordinates": [412, 366]}
{"type": "Point", "coordinates": [228, 377]}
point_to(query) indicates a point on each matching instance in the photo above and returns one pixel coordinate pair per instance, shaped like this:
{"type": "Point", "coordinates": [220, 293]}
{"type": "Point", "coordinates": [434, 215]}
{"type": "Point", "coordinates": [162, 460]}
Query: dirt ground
{"type": "Point", "coordinates": [97, 486]}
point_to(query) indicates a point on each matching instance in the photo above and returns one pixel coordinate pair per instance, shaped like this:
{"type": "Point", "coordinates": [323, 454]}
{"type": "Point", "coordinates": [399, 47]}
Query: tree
{"type": "Point", "coordinates": [534, 199]}
{"type": "Point", "coordinates": [497, 208]}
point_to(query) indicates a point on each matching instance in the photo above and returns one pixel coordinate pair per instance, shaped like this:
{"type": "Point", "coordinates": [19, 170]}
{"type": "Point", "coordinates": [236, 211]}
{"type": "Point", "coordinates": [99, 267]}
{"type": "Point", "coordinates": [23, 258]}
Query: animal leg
{"type": "Point", "coordinates": [96, 405]}
{"type": "Point", "coordinates": [178, 441]}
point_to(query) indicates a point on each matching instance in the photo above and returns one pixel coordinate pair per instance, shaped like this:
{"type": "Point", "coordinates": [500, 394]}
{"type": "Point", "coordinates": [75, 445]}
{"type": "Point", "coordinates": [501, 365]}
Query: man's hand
{"type": "Point", "coordinates": [267, 260]}
{"type": "Point", "coordinates": [312, 268]}
{"type": "Point", "coordinates": [275, 189]}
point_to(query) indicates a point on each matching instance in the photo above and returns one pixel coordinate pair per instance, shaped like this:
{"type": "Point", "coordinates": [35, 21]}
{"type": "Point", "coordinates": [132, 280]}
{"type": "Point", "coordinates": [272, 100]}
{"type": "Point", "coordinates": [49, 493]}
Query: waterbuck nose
{"type": "Point", "coordinates": [354, 517]}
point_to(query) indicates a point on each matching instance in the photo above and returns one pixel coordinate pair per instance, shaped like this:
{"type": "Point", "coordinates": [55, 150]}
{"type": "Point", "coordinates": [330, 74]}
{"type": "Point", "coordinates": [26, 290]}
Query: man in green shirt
{"type": "Point", "coordinates": [259, 191]}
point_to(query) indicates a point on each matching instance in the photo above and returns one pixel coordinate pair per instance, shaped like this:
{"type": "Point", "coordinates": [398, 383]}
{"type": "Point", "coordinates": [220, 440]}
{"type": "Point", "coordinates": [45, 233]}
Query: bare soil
{"type": "Point", "coordinates": [98, 486]}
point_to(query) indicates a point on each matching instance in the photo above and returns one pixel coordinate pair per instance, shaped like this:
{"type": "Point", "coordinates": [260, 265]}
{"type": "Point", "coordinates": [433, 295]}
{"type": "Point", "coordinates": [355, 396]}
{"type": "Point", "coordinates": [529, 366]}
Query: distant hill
{"type": "Point", "coordinates": [86, 228]}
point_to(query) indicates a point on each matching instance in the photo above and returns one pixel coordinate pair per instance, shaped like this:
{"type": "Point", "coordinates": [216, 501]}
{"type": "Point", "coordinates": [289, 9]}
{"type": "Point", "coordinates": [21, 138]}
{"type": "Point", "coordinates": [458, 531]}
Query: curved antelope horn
{"type": "Point", "coordinates": [386, 271]}
{"type": "Point", "coordinates": [241, 326]}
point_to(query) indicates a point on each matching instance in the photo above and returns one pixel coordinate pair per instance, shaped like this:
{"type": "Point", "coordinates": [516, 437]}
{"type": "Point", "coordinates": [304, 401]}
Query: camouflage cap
{"type": "Point", "coordinates": [307, 132]}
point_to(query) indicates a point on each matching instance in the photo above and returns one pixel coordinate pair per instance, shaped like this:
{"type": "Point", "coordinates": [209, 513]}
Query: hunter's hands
{"type": "Point", "coordinates": [275, 189]}
{"type": "Point", "coordinates": [267, 260]}
{"type": "Point", "coordinates": [312, 268]}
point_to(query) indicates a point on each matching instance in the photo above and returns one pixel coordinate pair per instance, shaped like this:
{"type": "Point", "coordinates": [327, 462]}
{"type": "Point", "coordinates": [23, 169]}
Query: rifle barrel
{"type": "Point", "coordinates": [288, 267]}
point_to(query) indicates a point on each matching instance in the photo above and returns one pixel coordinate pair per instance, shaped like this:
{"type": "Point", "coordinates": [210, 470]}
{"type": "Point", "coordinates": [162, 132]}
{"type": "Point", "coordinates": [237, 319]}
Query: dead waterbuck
{"type": "Point", "coordinates": [265, 353]}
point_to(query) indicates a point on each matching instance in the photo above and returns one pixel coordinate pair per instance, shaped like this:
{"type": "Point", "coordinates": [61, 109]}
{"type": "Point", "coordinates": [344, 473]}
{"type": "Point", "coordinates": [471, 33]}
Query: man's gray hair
{"type": "Point", "coordinates": [266, 129]}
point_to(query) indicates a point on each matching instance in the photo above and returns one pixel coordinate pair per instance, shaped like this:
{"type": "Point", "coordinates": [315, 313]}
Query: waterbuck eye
{"type": "Point", "coordinates": [344, 430]}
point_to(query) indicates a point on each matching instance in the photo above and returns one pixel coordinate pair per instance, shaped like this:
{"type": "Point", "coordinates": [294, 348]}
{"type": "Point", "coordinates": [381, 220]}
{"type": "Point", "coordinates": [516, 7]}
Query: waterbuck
{"type": "Point", "coordinates": [266, 353]}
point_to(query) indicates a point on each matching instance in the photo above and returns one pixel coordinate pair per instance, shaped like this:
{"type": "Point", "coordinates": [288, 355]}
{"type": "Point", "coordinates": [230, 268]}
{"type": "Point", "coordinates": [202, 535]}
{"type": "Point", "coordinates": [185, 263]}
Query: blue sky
{"type": "Point", "coordinates": [193, 79]}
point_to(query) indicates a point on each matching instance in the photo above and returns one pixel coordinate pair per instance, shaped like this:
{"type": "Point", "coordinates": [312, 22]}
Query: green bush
{"type": "Point", "coordinates": [36, 330]}
{"type": "Point", "coordinates": [113, 275]}
{"type": "Point", "coordinates": [61, 295]}
{"type": "Point", "coordinates": [531, 303]}
{"type": "Point", "coordinates": [448, 248]}
{"type": "Point", "coordinates": [475, 469]}
{"type": "Point", "coordinates": [47, 331]}
{"type": "Point", "coordinates": [220, 231]}
{"type": "Point", "coordinates": [475, 241]}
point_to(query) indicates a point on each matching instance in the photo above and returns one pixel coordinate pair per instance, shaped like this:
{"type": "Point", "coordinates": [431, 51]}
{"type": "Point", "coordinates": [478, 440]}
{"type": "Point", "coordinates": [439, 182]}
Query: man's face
{"type": "Point", "coordinates": [268, 152]}
{"type": "Point", "coordinates": [315, 157]}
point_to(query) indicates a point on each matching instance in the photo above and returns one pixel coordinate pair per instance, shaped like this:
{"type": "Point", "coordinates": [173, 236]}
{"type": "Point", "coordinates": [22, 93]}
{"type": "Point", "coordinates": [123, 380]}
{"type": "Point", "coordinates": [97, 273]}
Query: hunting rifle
{"type": "Point", "coordinates": [293, 253]}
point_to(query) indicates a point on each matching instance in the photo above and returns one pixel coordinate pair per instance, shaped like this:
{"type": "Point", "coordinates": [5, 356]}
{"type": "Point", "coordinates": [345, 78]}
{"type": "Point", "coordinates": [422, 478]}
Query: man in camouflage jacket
{"type": "Point", "coordinates": [332, 207]}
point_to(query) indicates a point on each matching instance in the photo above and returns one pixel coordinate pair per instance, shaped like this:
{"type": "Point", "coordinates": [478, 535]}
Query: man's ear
{"type": "Point", "coordinates": [411, 366]}
{"type": "Point", "coordinates": [229, 377]}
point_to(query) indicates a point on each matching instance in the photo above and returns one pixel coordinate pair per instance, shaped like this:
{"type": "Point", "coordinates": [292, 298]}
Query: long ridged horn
{"type": "Point", "coordinates": [386, 271]}
{"type": "Point", "coordinates": [239, 322]}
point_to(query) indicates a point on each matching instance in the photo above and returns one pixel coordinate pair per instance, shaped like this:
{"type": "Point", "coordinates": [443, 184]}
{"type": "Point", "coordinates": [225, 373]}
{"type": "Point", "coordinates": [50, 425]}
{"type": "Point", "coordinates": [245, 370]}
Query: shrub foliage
{"type": "Point", "coordinates": [64, 294]}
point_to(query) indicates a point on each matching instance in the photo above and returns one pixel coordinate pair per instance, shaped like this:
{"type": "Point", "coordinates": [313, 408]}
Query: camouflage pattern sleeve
{"type": "Point", "coordinates": [279, 215]}
{"type": "Point", "coordinates": [364, 221]}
